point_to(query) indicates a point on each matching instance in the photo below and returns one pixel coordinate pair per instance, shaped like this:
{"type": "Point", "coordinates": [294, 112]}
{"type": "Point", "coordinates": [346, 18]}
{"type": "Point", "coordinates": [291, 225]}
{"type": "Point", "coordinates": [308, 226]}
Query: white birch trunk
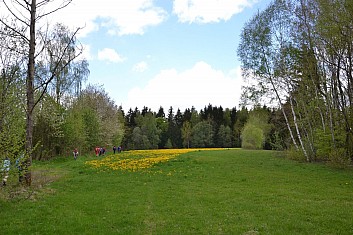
{"type": "Point", "coordinates": [297, 129]}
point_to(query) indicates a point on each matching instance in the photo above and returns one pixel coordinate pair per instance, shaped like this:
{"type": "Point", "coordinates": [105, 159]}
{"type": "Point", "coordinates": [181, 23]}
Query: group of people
{"type": "Point", "coordinates": [99, 151]}
{"type": "Point", "coordinates": [117, 149]}
{"type": "Point", "coordinates": [6, 168]}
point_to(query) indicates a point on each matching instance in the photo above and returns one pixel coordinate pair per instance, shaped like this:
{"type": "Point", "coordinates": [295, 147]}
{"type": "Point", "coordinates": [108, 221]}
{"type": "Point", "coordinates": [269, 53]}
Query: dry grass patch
{"type": "Point", "coordinates": [41, 179]}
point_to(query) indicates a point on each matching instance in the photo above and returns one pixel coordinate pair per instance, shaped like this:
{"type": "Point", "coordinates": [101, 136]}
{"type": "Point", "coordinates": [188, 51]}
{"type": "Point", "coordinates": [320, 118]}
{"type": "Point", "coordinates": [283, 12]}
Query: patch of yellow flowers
{"type": "Point", "coordinates": [136, 160]}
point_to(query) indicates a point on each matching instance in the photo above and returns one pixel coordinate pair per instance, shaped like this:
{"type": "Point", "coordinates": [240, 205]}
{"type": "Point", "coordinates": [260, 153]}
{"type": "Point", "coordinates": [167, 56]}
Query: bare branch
{"type": "Point", "coordinates": [44, 40]}
{"type": "Point", "coordinates": [26, 6]}
{"type": "Point", "coordinates": [65, 4]}
{"type": "Point", "coordinates": [14, 49]}
{"type": "Point", "coordinates": [14, 15]}
{"type": "Point", "coordinates": [44, 2]}
{"type": "Point", "coordinates": [46, 83]}
{"type": "Point", "coordinates": [18, 33]}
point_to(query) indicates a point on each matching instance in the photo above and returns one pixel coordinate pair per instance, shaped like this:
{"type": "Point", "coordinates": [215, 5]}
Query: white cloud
{"type": "Point", "coordinates": [110, 55]}
{"type": "Point", "coordinates": [118, 17]}
{"type": "Point", "coordinates": [201, 11]}
{"type": "Point", "coordinates": [196, 87]}
{"type": "Point", "coordinates": [140, 67]}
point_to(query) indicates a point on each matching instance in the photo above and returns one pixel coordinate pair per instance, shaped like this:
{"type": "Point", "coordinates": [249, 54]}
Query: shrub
{"type": "Point", "coordinates": [252, 137]}
{"type": "Point", "coordinates": [296, 155]}
{"type": "Point", "coordinates": [338, 158]}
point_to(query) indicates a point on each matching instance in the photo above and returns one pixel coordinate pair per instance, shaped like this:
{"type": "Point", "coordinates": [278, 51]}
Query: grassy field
{"type": "Point", "coordinates": [201, 192]}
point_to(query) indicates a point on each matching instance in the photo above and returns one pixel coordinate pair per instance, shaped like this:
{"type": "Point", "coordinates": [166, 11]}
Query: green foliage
{"type": "Point", "coordinates": [252, 137]}
{"type": "Point", "coordinates": [295, 52]}
{"type": "Point", "coordinates": [242, 117]}
{"type": "Point", "coordinates": [277, 142]}
{"type": "Point", "coordinates": [140, 141]}
{"type": "Point", "coordinates": [338, 158]}
{"type": "Point", "coordinates": [92, 130]}
{"type": "Point", "coordinates": [94, 120]}
{"type": "Point", "coordinates": [75, 131]}
{"type": "Point", "coordinates": [169, 144]}
{"type": "Point", "coordinates": [295, 155]}
{"type": "Point", "coordinates": [48, 128]}
{"type": "Point", "coordinates": [186, 133]}
{"type": "Point", "coordinates": [12, 122]}
{"type": "Point", "coordinates": [150, 130]}
{"type": "Point", "coordinates": [327, 150]}
{"type": "Point", "coordinates": [146, 134]}
{"type": "Point", "coordinates": [202, 135]}
{"type": "Point", "coordinates": [162, 125]}
{"type": "Point", "coordinates": [256, 129]}
{"type": "Point", "coordinates": [224, 136]}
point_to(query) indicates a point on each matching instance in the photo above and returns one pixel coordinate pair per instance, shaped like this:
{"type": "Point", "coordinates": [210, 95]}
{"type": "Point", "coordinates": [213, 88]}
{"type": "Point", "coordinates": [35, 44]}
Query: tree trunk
{"type": "Point", "coordinates": [284, 113]}
{"type": "Point", "coordinates": [30, 95]}
{"type": "Point", "coordinates": [297, 129]}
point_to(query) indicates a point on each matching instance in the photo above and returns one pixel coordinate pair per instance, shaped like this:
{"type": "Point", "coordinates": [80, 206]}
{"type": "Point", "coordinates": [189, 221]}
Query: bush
{"type": "Point", "coordinates": [338, 158]}
{"type": "Point", "coordinates": [296, 155]}
{"type": "Point", "coordinates": [252, 137]}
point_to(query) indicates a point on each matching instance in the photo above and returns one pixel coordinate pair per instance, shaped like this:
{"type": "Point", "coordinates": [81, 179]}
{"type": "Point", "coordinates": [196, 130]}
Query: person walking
{"type": "Point", "coordinates": [5, 170]}
{"type": "Point", "coordinates": [75, 152]}
{"type": "Point", "coordinates": [97, 151]}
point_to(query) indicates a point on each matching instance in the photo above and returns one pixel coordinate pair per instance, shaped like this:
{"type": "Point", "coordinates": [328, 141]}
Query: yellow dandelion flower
{"type": "Point", "coordinates": [137, 160]}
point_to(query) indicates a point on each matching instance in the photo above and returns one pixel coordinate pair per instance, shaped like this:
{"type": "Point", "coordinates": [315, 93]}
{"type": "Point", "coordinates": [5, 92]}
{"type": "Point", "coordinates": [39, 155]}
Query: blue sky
{"type": "Point", "coordinates": [178, 53]}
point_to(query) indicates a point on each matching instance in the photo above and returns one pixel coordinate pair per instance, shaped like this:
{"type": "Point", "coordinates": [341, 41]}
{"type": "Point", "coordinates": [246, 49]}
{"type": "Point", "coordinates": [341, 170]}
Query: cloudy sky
{"type": "Point", "coordinates": [153, 53]}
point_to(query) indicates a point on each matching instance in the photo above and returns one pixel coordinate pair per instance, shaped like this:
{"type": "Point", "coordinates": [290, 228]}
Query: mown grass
{"type": "Point", "coordinates": [201, 192]}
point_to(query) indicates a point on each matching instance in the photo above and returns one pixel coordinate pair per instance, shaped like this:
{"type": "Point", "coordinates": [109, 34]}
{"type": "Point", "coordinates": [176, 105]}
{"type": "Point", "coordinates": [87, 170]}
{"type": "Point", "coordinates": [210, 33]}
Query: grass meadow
{"type": "Point", "coordinates": [199, 192]}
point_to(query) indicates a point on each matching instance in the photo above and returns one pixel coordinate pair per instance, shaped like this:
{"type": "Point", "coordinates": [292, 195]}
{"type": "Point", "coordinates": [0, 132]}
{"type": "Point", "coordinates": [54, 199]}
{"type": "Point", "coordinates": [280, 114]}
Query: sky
{"type": "Point", "coordinates": [153, 53]}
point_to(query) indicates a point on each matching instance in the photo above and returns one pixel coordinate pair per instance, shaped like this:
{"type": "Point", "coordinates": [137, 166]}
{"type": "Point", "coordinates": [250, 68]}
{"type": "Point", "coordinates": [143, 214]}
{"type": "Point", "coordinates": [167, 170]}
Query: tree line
{"type": "Point", "coordinates": [210, 127]}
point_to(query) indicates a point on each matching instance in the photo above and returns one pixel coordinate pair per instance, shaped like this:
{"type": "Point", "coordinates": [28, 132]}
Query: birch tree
{"type": "Point", "coordinates": [258, 55]}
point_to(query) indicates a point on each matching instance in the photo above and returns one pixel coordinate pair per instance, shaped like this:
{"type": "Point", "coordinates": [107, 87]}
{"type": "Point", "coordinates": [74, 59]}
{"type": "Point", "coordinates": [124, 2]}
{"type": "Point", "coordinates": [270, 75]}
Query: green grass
{"type": "Point", "coordinates": [203, 192]}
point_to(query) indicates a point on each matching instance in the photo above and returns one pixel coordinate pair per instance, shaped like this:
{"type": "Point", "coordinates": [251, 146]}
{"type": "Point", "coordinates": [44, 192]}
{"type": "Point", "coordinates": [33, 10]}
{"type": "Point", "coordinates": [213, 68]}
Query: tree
{"type": "Point", "coordinates": [92, 129]}
{"type": "Point", "coordinates": [162, 125]}
{"type": "Point", "coordinates": [48, 128]}
{"type": "Point", "coordinates": [224, 137]}
{"type": "Point", "coordinates": [168, 144]}
{"type": "Point", "coordinates": [160, 113]}
{"type": "Point", "coordinates": [178, 120]}
{"type": "Point", "coordinates": [240, 120]}
{"type": "Point", "coordinates": [256, 129]}
{"type": "Point", "coordinates": [77, 129]}
{"type": "Point", "coordinates": [28, 14]}
{"type": "Point", "coordinates": [333, 50]}
{"type": "Point", "coordinates": [186, 133]}
{"type": "Point", "coordinates": [94, 120]}
{"type": "Point", "coordinates": [12, 125]}
{"type": "Point", "coordinates": [108, 115]}
{"type": "Point", "coordinates": [265, 51]}
{"type": "Point", "coordinates": [171, 126]}
{"type": "Point", "coordinates": [202, 135]}
{"type": "Point", "coordinates": [140, 141]}
{"type": "Point", "coordinates": [150, 130]}
{"type": "Point", "coordinates": [252, 137]}
{"type": "Point", "coordinates": [195, 117]}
